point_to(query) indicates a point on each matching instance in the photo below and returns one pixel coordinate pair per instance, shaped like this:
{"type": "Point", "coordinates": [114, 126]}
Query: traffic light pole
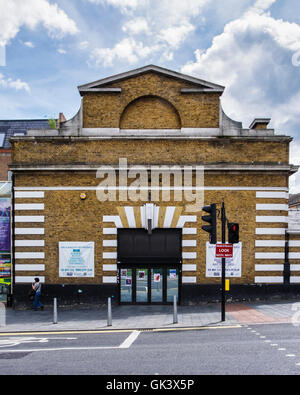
{"type": "Point", "coordinates": [223, 219]}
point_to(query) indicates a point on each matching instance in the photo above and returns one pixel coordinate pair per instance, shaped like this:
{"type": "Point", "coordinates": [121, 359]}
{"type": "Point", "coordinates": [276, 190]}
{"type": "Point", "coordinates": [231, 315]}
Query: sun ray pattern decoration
{"type": "Point", "coordinates": [164, 217]}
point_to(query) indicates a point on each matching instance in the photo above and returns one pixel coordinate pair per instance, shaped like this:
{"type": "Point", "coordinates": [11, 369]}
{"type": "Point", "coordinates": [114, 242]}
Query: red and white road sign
{"type": "Point", "coordinates": [224, 250]}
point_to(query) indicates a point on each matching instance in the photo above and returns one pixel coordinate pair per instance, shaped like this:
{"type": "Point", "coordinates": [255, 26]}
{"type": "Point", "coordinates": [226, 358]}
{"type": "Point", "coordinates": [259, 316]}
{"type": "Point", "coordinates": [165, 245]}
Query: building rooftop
{"type": "Point", "coordinates": [18, 127]}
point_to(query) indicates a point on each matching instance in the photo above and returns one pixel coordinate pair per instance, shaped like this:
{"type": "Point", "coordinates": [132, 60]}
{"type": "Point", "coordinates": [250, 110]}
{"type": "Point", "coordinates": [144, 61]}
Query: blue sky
{"type": "Point", "coordinates": [250, 46]}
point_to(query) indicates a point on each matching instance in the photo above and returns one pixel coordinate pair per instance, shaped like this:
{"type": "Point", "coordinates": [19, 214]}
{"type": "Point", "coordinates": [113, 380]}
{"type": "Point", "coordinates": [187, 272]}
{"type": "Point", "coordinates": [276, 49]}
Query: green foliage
{"type": "Point", "coordinates": [52, 123]}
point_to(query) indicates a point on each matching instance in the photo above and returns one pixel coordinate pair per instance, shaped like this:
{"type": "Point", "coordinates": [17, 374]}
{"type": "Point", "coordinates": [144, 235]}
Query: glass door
{"type": "Point", "coordinates": [156, 285]}
{"type": "Point", "coordinates": [142, 286]}
{"type": "Point", "coordinates": [172, 284]}
{"type": "Point", "coordinates": [126, 285]}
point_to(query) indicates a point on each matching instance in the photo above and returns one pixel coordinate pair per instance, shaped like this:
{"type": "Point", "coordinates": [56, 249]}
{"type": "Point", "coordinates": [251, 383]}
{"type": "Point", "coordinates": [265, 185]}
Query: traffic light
{"type": "Point", "coordinates": [233, 233]}
{"type": "Point", "coordinates": [212, 220]}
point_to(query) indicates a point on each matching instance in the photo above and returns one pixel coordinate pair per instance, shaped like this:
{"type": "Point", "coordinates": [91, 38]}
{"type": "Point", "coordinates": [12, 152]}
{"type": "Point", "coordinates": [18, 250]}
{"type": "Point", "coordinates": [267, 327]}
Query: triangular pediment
{"type": "Point", "coordinates": [196, 83]}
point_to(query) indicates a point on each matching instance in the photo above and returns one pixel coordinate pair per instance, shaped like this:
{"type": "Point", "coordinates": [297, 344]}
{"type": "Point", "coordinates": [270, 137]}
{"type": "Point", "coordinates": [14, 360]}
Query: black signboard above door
{"type": "Point", "coordinates": [161, 246]}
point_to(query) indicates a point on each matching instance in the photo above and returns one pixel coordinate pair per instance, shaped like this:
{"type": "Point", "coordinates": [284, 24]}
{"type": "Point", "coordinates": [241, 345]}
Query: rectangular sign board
{"type": "Point", "coordinates": [233, 265]}
{"type": "Point", "coordinates": [76, 259]}
{"type": "Point", "coordinates": [224, 250]}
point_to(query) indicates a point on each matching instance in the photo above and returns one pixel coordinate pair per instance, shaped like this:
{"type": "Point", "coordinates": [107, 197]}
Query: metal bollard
{"type": "Point", "coordinates": [109, 315]}
{"type": "Point", "coordinates": [175, 318]}
{"type": "Point", "coordinates": [55, 311]}
{"type": "Point", "coordinates": [2, 314]}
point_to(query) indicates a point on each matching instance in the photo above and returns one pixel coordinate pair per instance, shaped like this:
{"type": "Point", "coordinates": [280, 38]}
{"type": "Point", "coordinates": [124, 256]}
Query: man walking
{"type": "Point", "coordinates": [37, 287]}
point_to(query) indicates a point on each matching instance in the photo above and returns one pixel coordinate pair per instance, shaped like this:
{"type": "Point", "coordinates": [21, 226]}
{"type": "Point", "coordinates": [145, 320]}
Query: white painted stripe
{"type": "Point", "coordinates": [28, 279]}
{"type": "Point", "coordinates": [110, 243]}
{"type": "Point", "coordinates": [189, 268]}
{"type": "Point", "coordinates": [169, 216]}
{"type": "Point", "coordinates": [269, 243]}
{"type": "Point", "coordinates": [295, 268]}
{"type": "Point", "coordinates": [268, 279]}
{"type": "Point", "coordinates": [29, 218]}
{"type": "Point", "coordinates": [29, 243]}
{"type": "Point", "coordinates": [295, 279]}
{"type": "Point", "coordinates": [186, 218]}
{"type": "Point", "coordinates": [294, 243]}
{"type": "Point", "coordinates": [271, 218]}
{"type": "Point", "coordinates": [110, 231]}
{"type": "Point", "coordinates": [29, 255]}
{"type": "Point", "coordinates": [30, 206]}
{"type": "Point", "coordinates": [269, 255]}
{"type": "Point", "coordinates": [189, 231]}
{"type": "Point", "coordinates": [134, 188]}
{"type": "Point", "coordinates": [270, 231]}
{"type": "Point", "coordinates": [29, 231]}
{"type": "Point", "coordinates": [272, 195]}
{"type": "Point", "coordinates": [276, 255]}
{"type": "Point", "coordinates": [276, 243]}
{"type": "Point", "coordinates": [189, 243]}
{"type": "Point", "coordinates": [109, 255]}
{"type": "Point", "coordinates": [130, 339]}
{"type": "Point", "coordinates": [29, 268]}
{"type": "Point", "coordinates": [189, 280]}
{"type": "Point", "coordinates": [24, 195]}
{"type": "Point", "coordinates": [110, 268]}
{"type": "Point", "coordinates": [130, 217]}
{"type": "Point", "coordinates": [109, 279]}
{"type": "Point", "coordinates": [189, 255]}
{"type": "Point", "coordinates": [113, 218]}
{"type": "Point", "coordinates": [272, 207]}
{"type": "Point", "coordinates": [294, 255]}
{"type": "Point", "coordinates": [268, 268]}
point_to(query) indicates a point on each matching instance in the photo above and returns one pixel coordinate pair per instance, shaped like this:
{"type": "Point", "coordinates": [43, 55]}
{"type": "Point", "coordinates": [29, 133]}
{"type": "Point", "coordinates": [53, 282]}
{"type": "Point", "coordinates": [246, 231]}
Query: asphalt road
{"type": "Point", "coordinates": [272, 349]}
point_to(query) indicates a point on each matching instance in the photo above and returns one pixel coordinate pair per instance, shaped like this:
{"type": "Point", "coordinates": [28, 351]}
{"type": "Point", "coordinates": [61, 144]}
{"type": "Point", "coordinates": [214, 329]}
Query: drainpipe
{"type": "Point", "coordinates": [286, 266]}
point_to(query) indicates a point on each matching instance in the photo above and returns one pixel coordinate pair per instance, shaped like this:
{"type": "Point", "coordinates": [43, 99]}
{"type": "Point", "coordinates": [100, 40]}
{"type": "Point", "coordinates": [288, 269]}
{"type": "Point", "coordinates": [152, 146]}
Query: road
{"type": "Point", "coordinates": [267, 349]}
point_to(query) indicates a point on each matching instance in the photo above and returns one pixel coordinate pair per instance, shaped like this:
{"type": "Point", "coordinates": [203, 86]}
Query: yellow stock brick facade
{"type": "Point", "coordinates": [148, 117]}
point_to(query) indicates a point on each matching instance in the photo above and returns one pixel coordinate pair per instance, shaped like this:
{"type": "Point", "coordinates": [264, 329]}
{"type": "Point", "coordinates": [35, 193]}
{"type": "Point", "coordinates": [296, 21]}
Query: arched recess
{"type": "Point", "coordinates": [150, 112]}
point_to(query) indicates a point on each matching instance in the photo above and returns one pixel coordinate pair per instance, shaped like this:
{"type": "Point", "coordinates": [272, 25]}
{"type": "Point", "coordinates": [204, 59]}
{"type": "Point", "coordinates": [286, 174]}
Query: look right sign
{"type": "Point", "coordinates": [224, 250]}
{"type": "Point", "coordinates": [214, 264]}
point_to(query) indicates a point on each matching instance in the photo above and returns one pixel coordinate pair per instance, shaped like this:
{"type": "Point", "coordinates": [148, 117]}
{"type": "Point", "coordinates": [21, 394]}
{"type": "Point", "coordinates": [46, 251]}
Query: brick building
{"type": "Point", "coordinates": [9, 128]}
{"type": "Point", "coordinates": [128, 239]}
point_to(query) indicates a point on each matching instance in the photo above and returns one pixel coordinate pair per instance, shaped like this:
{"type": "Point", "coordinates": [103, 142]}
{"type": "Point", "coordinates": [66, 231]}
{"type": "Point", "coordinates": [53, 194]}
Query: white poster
{"type": "Point", "coordinates": [76, 259]}
{"type": "Point", "coordinates": [214, 265]}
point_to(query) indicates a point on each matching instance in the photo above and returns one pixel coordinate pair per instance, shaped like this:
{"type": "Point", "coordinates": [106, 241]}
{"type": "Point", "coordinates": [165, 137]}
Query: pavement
{"type": "Point", "coordinates": [91, 318]}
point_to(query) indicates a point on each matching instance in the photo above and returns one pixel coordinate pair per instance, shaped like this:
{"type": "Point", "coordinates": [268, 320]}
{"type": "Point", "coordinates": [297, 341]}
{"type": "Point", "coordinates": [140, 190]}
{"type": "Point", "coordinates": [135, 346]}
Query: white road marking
{"type": "Point", "coordinates": [130, 339]}
{"type": "Point", "coordinates": [16, 341]}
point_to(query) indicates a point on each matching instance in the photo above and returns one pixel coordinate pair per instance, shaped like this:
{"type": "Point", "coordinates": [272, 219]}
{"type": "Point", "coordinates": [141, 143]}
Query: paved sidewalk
{"type": "Point", "coordinates": [145, 317]}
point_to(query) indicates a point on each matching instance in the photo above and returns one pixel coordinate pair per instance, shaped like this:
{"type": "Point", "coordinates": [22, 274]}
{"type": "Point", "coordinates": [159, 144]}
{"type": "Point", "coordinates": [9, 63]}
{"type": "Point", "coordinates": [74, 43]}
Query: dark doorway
{"type": "Point", "coordinates": [149, 266]}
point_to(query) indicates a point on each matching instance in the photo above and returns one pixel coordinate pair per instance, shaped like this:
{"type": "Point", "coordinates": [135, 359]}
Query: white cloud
{"type": "Point", "coordinates": [252, 57]}
{"type": "Point", "coordinates": [30, 13]}
{"type": "Point", "coordinates": [176, 35]}
{"type": "Point", "coordinates": [29, 44]}
{"type": "Point", "coordinates": [162, 28]}
{"type": "Point", "coordinates": [136, 26]}
{"type": "Point", "coordinates": [62, 51]}
{"type": "Point", "coordinates": [122, 4]}
{"type": "Point", "coordinates": [10, 83]}
{"type": "Point", "coordinates": [83, 45]}
{"type": "Point", "coordinates": [127, 49]}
